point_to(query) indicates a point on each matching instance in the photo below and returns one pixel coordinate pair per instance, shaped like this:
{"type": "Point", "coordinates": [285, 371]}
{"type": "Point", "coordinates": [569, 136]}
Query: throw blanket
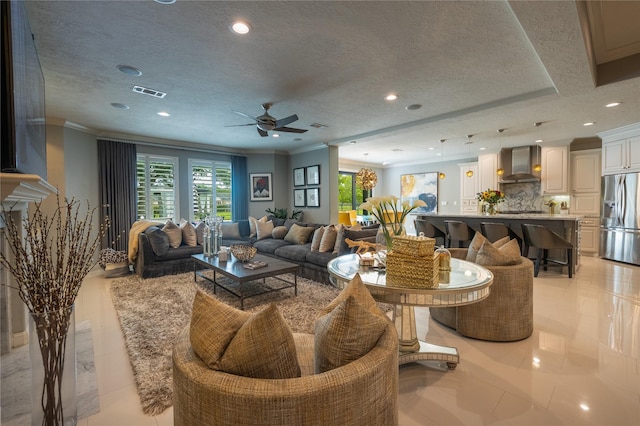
{"type": "Point", "coordinates": [138, 227]}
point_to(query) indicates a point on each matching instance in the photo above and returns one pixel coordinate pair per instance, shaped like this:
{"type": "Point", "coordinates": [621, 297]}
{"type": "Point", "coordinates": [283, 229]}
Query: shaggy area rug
{"type": "Point", "coordinates": [153, 311]}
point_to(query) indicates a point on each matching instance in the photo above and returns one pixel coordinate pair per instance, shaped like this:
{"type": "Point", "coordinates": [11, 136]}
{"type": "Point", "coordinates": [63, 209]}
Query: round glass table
{"type": "Point", "coordinates": [469, 283]}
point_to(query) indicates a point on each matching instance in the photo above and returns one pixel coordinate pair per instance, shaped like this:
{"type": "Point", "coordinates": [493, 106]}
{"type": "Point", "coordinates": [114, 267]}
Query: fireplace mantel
{"type": "Point", "coordinates": [19, 187]}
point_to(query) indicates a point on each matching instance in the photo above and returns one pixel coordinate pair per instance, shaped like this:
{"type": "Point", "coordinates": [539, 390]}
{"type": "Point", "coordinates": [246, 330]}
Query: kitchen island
{"type": "Point", "coordinates": [566, 225]}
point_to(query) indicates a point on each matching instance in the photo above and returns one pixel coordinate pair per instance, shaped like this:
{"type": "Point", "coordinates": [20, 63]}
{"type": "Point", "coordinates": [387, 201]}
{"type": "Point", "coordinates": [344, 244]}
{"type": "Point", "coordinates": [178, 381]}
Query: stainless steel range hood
{"type": "Point", "coordinates": [518, 164]}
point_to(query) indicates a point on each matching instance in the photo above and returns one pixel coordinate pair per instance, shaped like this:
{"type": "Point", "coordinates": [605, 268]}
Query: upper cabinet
{"type": "Point", "coordinates": [621, 150]}
{"type": "Point", "coordinates": [469, 188]}
{"type": "Point", "coordinates": [555, 173]}
{"type": "Point", "coordinates": [487, 166]}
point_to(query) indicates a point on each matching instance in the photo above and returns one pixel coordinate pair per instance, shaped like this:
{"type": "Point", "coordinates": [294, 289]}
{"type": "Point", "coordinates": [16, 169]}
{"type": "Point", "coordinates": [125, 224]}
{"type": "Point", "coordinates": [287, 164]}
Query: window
{"type": "Point", "coordinates": [157, 187]}
{"type": "Point", "coordinates": [211, 189]}
{"type": "Point", "coordinates": [350, 194]}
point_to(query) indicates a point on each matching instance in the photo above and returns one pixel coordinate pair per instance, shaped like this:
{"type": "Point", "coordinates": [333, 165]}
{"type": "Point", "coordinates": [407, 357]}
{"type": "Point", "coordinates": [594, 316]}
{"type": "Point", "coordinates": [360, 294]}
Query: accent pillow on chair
{"type": "Point", "coordinates": [508, 254]}
{"type": "Point", "coordinates": [477, 242]}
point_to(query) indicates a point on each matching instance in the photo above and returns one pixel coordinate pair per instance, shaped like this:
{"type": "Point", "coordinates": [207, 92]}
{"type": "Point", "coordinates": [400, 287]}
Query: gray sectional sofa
{"type": "Point", "coordinates": [313, 264]}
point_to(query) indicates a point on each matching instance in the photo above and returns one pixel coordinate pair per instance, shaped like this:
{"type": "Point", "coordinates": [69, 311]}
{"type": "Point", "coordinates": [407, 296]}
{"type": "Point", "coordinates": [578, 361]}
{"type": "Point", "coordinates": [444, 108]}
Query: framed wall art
{"type": "Point", "coordinates": [261, 187]}
{"type": "Point", "coordinates": [299, 196]}
{"type": "Point", "coordinates": [420, 186]}
{"type": "Point", "coordinates": [298, 176]}
{"type": "Point", "coordinates": [313, 175]}
{"type": "Point", "coordinates": [313, 197]}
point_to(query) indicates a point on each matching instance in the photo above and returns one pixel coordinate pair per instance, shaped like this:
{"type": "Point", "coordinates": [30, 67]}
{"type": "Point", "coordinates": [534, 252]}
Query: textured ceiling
{"type": "Point", "coordinates": [473, 66]}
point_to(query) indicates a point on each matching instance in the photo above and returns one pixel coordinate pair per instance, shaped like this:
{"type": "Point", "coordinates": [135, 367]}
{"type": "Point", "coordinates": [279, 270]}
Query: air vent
{"type": "Point", "coordinates": [150, 92]}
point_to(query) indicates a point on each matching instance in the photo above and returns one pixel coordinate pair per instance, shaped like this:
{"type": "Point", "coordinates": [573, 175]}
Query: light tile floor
{"type": "Point", "coordinates": [580, 366]}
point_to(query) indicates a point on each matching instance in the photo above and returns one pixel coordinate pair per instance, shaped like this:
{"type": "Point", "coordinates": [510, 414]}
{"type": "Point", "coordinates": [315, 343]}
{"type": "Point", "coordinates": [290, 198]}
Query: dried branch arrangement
{"type": "Point", "coordinates": [49, 264]}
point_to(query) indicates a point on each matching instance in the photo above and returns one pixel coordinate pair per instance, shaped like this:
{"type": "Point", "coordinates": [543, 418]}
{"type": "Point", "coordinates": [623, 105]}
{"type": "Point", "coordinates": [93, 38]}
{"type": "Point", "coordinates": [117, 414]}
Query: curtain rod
{"type": "Point", "coordinates": [182, 148]}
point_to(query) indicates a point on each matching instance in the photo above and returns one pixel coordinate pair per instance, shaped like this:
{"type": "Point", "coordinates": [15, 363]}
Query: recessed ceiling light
{"type": "Point", "coordinates": [391, 97]}
{"type": "Point", "coordinates": [431, 148]}
{"type": "Point", "coordinates": [119, 105]}
{"type": "Point", "coordinates": [590, 123]}
{"type": "Point", "coordinates": [584, 406]}
{"type": "Point", "coordinates": [165, 1]}
{"type": "Point", "coordinates": [240, 27]}
{"type": "Point", "coordinates": [129, 70]}
{"type": "Point", "coordinates": [413, 107]}
{"type": "Point", "coordinates": [275, 135]}
{"type": "Point", "coordinates": [613, 104]}
{"type": "Point", "coordinates": [384, 163]}
{"type": "Point", "coordinates": [539, 140]}
{"type": "Point", "coordinates": [164, 114]}
{"type": "Point", "coordinates": [482, 148]}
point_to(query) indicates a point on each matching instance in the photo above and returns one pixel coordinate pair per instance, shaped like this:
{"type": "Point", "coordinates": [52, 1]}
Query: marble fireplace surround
{"type": "Point", "coordinates": [17, 191]}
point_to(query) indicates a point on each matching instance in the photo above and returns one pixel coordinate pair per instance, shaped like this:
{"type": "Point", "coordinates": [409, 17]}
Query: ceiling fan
{"type": "Point", "coordinates": [266, 123]}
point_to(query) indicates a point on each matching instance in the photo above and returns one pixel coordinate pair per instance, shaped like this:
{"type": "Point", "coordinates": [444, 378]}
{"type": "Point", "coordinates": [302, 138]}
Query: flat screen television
{"type": "Point", "coordinates": [24, 146]}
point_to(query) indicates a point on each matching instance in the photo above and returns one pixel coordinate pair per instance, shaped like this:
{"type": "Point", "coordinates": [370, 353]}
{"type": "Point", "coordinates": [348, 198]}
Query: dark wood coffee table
{"type": "Point", "coordinates": [241, 278]}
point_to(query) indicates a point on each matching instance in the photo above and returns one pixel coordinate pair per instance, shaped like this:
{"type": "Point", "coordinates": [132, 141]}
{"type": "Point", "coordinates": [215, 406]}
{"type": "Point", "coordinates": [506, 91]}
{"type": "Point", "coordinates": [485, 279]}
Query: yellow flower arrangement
{"type": "Point", "coordinates": [491, 196]}
{"type": "Point", "coordinates": [390, 213]}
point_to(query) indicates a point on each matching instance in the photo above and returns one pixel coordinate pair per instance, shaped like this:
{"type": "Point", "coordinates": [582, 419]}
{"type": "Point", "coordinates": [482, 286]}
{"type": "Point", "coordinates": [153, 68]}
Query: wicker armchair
{"type": "Point", "coordinates": [505, 316]}
{"type": "Point", "coordinates": [363, 392]}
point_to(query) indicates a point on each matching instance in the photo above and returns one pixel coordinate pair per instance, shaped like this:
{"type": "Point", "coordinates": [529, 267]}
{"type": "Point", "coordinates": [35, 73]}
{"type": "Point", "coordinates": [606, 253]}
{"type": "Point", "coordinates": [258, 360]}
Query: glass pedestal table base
{"type": "Point", "coordinates": [469, 283]}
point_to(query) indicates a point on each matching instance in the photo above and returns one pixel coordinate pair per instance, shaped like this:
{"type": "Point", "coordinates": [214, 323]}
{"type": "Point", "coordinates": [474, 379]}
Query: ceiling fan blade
{"type": "Point", "coordinates": [287, 120]}
{"type": "Point", "coordinates": [262, 132]}
{"type": "Point", "coordinates": [289, 129]}
{"type": "Point", "coordinates": [240, 125]}
{"type": "Point", "coordinates": [245, 115]}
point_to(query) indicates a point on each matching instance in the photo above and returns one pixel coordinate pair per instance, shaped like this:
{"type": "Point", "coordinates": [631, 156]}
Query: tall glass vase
{"type": "Point", "coordinates": [52, 352]}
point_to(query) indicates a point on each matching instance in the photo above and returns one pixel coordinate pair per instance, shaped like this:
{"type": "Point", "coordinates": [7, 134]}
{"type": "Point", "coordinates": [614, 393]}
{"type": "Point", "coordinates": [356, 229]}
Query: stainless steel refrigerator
{"type": "Point", "coordinates": [620, 218]}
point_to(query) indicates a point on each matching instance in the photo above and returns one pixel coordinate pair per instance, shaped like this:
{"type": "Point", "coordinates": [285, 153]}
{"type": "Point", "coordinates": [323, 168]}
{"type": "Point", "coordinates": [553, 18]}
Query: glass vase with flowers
{"type": "Point", "coordinates": [491, 198]}
{"type": "Point", "coordinates": [390, 212]}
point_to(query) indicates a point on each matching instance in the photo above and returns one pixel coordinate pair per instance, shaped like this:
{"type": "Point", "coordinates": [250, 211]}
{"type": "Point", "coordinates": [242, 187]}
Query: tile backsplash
{"type": "Point", "coordinates": [522, 196]}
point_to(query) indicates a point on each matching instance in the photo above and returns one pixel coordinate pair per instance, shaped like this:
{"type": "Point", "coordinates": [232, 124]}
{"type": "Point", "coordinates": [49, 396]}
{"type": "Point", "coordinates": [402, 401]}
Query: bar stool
{"type": "Point", "coordinates": [458, 231]}
{"type": "Point", "coordinates": [429, 230]}
{"type": "Point", "coordinates": [493, 231]}
{"type": "Point", "coordinates": [544, 240]}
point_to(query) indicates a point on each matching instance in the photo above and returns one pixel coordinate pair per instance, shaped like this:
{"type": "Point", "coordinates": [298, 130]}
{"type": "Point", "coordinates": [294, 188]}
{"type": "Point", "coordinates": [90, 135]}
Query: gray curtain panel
{"type": "Point", "coordinates": [117, 171]}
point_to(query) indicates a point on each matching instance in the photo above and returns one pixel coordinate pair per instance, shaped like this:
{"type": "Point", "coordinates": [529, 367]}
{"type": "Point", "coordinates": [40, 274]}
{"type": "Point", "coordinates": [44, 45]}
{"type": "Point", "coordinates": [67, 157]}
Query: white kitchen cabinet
{"type": "Point", "coordinates": [469, 188]}
{"type": "Point", "coordinates": [589, 236]}
{"type": "Point", "coordinates": [487, 177]}
{"type": "Point", "coordinates": [555, 173]}
{"type": "Point", "coordinates": [621, 150]}
{"type": "Point", "coordinates": [585, 182]}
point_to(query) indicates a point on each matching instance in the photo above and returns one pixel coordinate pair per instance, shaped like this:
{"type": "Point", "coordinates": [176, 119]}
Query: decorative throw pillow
{"type": "Point", "coordinates": [298, 234]}
{"type": "Point", "coordinates": [490, 255]}
{"type": "Point", "coordinates": [328, 241]}
{"type": "Point", "coordinates": [252, 225]}
{"type": "Point", "coordinates": [339, 238]}
{"type": "Point", "coordinates": [357, 289]}
{"type": "Point", "coordinates": [264, 230]}
{"type": "Point", "coordinates": [317, 237]}
{"type": "Point", "coordinates": [158, 239]}
{"type": "Point", "coordinates": [174, 233]}
{"type": "Point", "coordinates": [345, 334]}
{"type": "Point", "coordinates": [200, 233]}
{"type": "Point", "coordinates": [189, 236]}
{"type": "Point", "coordinates": [263, 348]}
{"type": "Point", "coordinates": [477, 242]}
{"type": "Point", "coordinates": [279, 232]}
{"type": "Point", "coordinates": [230, 230]}
{"type": "Point", "coordinates": [213, 326]}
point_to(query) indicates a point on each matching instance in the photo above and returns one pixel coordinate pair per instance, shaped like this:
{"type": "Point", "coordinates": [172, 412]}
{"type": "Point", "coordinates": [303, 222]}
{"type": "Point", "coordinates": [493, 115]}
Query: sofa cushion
{"type": "Point", "coordinates": [298, 234]}
{"type": "Point", "coordinates": [264, 230]}
{"type": "Point", "coordinates": [294, 252]}
{"type": "Point", "coordinates": [158, 239]}
{"type": "Point", "coordinates": [320, 259]}
{"type": "Point", "coordinates": [189, 236]}
{"type": "Point", "coordinates": [263, 348]}
{"type": "Point", "coordinates": [174, 233]}
{"type": "Point", "coordinates": [346, 334]}
{"type": "Point", "coordinates": [477, 242]}
{"type": "Point", "coordinates": [213, 326]}
{"type": "Point", "coordinates": [230, 230]}
{"type": "Point", "coordinates": [269, 245]}
{"type": "Point", "coordinates": [182, 252]}
{"type": "Point", "coordinates": [317, 237]}
{"type": "Point", "coordinates": [279, 232]}
{"type": "Point", "coordinates": [200, 232]}
{"type": "Point", "coordinates": [490, 255]}
{"type": "Point", "coordinates": [328, 241]}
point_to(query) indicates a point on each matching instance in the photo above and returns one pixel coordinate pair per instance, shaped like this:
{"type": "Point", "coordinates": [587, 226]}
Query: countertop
{"type": "Point", "coordinates": [523, 216]}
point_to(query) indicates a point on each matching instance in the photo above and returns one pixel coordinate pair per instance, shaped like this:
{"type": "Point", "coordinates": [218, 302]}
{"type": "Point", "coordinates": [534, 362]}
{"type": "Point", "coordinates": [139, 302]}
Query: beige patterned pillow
{"type": "Point", "coordinates": [346, 334]}
{"type": "Point", "coordinates": [252, 224]}
{"type": "Point", "coordinates": [476, 244]}
{"type": "Point", "coordinates": [317, 238]}
{"type": "Point", "coordinates": [357, 289]}
{"type": "Point", "coordinates": [189, 236]}
{"type": "Point", "coordinates": [328, 240]}
{"type": "Point", "coordinates": [213, 325]}
{"type": "Point", "coordinates": [264, 230]}
{"type": "Point", "coordinates": [279, 232]}
{"type": "Point", "coordinates": [263, 348]}
{"type": "Point", "coordinates": [490, 255]}
{"type": "Point", "coordinates": [174, 233]}
{"type": "Point", "coordinates": [502, 241]}
{"type": "Point", "coordinates": [298, 234]}
{"type": "Point", "coordinates": [200, 232]}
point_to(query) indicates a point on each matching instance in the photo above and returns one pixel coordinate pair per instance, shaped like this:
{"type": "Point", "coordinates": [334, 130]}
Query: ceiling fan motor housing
{"type": "Point", "coordinates": [266, 123]}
